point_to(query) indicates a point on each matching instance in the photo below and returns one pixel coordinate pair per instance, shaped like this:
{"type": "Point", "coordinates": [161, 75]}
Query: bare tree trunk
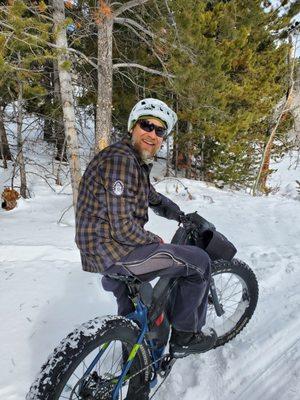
{"type": "Point", "coordinates": [261, 180]}
{"type": "Point", "coordinates": [104, 96]}
{"type": "Point", "coordinates": [48, 134]}
{"type": "Point", "coordinates": [48, 120]}
{"type": "Point", "coordinates": [188, 171]}
{"type": "Point", "coordinates": [67, 95]}
{"type": "Point", "coordinates": [20, 142]}
{"type": "Point", "coordinates": [260, 184]}
{"type": "Point", "coordinates": [168, 157]}
{"type": "Point", "coordinates": [175, 144]}
{"type": "Point", "coordinates": [296, 106]}
{"type": "Point", "coordinates": [4, 146]}
{"type": "Point", "coordinates": [175, 157]}
{"type": "Point", "coordinates": [59, 132]}
{"type": "Point", "coordinates": [202, 158]}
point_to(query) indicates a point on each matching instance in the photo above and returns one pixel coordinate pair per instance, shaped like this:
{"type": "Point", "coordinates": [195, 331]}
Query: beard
{"type": "Point", "coordinates": [146, 155]}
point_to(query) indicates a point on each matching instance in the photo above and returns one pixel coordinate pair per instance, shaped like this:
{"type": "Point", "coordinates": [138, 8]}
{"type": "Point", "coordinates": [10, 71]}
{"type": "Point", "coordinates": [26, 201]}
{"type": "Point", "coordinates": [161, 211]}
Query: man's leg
{"type": "Point", "coordinates": [120, 291]}
{"type": "Point", "coordinates": [169, 260]}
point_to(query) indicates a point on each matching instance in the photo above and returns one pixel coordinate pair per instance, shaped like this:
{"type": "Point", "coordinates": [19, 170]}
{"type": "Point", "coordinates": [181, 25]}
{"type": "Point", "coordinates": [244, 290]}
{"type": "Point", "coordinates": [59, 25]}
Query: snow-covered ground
{"type": "Point", "coordinates": [44, 293]}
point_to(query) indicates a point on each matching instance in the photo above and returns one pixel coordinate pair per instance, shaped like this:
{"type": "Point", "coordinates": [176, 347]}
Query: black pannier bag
{"type": "Point", "coordinates": [217, 246]}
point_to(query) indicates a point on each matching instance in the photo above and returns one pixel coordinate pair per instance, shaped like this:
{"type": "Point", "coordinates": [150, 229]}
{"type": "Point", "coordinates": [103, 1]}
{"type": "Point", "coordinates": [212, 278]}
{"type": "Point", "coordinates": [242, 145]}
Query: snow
{"type": "Point", "coordinates": [45, 294]}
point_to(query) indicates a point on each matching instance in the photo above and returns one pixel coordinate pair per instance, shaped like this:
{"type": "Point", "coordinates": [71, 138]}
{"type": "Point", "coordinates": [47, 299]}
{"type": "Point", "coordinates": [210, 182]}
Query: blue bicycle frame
{"type": "Point", "coordinates": [140, 316]}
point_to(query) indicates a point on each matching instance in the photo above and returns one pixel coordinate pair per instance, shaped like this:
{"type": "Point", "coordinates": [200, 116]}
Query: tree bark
{"type": "Point", "coordinates": [59, 132]}
{"type": "Point", "coordinates": [5, 153]}
{"type": "Point", "coordinates": [20, 156]}
{"type": "Point", "coordinates": [188, 171]}
{"type": "Point", "coordinates": [261, 180]}
{"type": "Point", "coordinates": [105, 72]}
{"type": "Point", "coordinates": [296, 106]}
{"type": "Point", "coordinates": [168, 157]}
{"type": "Point", "coordinates": [48, 134]}
{"type": "Point", "coordinates": [260, 184]}
{"type": "Point", "coordinates": [67, 95]}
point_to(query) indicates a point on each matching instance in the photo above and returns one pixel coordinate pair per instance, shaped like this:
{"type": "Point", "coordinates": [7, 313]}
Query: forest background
{"type": "Point", "coordinates": [70, 71]}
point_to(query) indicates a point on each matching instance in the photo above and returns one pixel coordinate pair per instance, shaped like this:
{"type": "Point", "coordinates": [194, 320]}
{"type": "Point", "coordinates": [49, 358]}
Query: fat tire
{"type": "Point", "coordinates": [241, 269]}
{"type": "Point", "coordinates": [77, 345]}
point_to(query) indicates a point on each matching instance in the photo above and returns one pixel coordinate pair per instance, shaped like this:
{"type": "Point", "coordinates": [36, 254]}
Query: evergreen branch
{"type": "Point", "coordinates": [70, 49]}
{"type": "Point", "coordinates": [128, 6]}
{"type": "Point", "coordinates": [150, 70]}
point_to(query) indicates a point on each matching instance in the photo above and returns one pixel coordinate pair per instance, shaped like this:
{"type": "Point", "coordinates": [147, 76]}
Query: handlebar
{"type": "Point", "coordinates": [194, 221]}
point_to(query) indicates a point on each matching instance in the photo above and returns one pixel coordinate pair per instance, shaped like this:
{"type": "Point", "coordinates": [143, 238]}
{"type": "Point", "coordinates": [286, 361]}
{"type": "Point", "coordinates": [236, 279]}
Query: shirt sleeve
{"type": "Point", "coordinates": [163, 206]}
{"type": "Point", "coordinates": [154, 197]}
{"type": "Point", "coordinates": [119, 176]}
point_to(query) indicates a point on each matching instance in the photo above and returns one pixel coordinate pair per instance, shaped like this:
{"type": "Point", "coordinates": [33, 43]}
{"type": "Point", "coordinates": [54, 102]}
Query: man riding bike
{"type": "Point", "coordinates": [112, 209]}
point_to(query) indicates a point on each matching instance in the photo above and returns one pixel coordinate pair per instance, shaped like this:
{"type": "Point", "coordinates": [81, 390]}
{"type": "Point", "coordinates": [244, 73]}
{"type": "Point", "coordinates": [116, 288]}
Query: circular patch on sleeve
{"type": "Point", "coordinates": [118, 188]}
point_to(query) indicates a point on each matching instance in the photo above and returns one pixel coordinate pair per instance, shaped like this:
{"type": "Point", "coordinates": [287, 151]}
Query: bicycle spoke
{"type": "Point", "coordinates": [230, 289]}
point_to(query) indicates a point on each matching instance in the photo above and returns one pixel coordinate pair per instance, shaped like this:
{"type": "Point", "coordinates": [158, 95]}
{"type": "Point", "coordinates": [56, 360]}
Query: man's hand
{"type": "Point", "coordinates": [161, 241]}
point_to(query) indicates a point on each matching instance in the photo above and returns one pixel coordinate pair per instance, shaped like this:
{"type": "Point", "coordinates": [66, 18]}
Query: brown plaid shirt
{"type": "Point", "coordinates": [112, 207]}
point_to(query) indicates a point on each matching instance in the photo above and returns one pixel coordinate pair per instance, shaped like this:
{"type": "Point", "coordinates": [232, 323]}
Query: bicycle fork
{"type": "Point", "coordinates": [215, 299]}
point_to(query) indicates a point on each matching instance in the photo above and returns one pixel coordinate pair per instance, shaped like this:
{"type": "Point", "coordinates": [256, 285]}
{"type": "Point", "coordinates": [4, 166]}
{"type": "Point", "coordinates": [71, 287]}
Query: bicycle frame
{"type": "Point", "coordinates": [140, 316]}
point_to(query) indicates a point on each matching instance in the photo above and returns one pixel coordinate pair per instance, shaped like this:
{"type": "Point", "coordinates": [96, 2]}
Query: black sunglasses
{"type": "Point", "coordinates": [149, 127]}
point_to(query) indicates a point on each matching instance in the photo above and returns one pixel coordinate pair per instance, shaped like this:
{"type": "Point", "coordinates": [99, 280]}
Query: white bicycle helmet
{"type": "Point", "coordinates": [154, 108]}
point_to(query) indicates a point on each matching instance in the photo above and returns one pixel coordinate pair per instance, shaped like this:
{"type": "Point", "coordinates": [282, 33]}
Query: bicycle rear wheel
{"type": "Point", "coordinates": [237, 291]}
{"type": "Point", "coordinates": [64, 375]}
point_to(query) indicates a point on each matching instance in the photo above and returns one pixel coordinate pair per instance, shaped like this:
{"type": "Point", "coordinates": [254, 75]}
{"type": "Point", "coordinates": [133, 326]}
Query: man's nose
{"type": "Point", "coordinates": [152, 134]}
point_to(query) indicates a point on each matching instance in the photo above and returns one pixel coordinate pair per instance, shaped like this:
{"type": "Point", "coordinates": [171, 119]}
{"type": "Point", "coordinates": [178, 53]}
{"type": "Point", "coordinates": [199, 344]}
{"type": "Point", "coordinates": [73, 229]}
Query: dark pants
{"type": "Point", "coordinates": [172, 261]}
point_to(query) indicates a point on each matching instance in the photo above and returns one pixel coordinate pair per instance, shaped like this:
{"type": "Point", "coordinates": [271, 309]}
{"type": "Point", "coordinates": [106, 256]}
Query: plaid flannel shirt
{"type": "Point", "coordinates": [112, 207]}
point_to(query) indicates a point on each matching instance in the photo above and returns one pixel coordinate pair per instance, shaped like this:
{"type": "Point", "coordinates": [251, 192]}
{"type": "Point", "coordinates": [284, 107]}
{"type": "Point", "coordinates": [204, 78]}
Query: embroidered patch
{"type": "Point", "coordinates": [118, 188]}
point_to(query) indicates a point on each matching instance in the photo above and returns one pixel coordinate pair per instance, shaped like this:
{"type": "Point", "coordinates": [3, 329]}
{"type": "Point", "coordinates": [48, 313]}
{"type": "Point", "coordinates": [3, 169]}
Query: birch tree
{"type": "Point", "coordinates": [66, 92]}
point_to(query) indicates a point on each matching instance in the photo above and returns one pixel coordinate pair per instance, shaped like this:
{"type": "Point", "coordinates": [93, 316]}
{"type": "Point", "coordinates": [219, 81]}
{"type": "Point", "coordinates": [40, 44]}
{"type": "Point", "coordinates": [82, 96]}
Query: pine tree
{"type": "Point", "coordinates": [230, 71]}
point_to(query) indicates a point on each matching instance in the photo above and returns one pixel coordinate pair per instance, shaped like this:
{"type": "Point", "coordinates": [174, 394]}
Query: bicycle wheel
{"type": "Point", "coordinates": [64, 376]}
{"type": "Point", "coordinates": [237, 290]}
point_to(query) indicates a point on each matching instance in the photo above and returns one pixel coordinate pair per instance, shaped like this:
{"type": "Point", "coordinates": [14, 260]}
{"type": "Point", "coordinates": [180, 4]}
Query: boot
{"type": "Point", "coordinates": [184, 343]}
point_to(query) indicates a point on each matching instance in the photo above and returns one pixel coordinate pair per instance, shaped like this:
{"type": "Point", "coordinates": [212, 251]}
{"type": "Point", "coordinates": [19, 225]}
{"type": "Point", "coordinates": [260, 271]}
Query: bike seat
{"type": "Point", "coordinates": [136, 286]}
{"type": "Point", "coordinates": [124, 278]}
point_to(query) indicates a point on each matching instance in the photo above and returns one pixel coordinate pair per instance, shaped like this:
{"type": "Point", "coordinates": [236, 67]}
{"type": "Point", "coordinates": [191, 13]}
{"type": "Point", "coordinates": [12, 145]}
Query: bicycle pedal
{"type": "Point", "coordinates": [166, 365]}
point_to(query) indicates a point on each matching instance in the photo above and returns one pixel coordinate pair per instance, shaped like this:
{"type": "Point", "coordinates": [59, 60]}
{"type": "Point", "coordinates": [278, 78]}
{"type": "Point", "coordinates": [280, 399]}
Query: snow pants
{"type": "Point", "coordinates": [148, 262]}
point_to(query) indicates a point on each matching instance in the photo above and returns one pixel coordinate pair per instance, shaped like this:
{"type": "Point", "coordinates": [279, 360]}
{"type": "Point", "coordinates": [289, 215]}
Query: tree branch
{"type": "Point", "coordinates": [150, 70]}
{"type": "Point", "coordinates": [128, 6]}
{"type": "Point", "coordinates": [129, 21]}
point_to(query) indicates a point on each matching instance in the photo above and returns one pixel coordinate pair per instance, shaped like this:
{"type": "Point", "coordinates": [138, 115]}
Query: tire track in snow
{"type": "Point", "coordinates": [284, 373]}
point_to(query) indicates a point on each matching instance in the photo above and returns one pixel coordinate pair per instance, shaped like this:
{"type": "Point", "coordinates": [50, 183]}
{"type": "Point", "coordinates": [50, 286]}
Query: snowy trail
{"type": "Point", "coordinates": [11, 253]}
{"type": "Point", "coordinates": [44, 295]}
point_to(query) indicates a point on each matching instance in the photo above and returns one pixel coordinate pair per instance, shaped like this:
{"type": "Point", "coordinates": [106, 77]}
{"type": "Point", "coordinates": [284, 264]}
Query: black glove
{"type": "Point", "coordinates": [167, 209]}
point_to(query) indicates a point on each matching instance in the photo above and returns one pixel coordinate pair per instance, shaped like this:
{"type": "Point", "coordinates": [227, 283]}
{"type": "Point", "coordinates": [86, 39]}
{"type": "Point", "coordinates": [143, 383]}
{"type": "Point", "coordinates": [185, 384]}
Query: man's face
{"type": "Point", "coordinates": [147, 144]}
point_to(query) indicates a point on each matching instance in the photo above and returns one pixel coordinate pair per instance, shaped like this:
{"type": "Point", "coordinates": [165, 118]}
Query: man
{"type": "Point", "coordinates": [114, 196]}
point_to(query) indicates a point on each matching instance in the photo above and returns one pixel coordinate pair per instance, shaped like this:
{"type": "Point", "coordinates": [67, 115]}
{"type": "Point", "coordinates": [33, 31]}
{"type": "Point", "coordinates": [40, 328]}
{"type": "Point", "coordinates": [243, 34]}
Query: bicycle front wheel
{"type": "Point", "coordinates": [74, 371]}
{"type": "Point", "coordinates": [237, 291]}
